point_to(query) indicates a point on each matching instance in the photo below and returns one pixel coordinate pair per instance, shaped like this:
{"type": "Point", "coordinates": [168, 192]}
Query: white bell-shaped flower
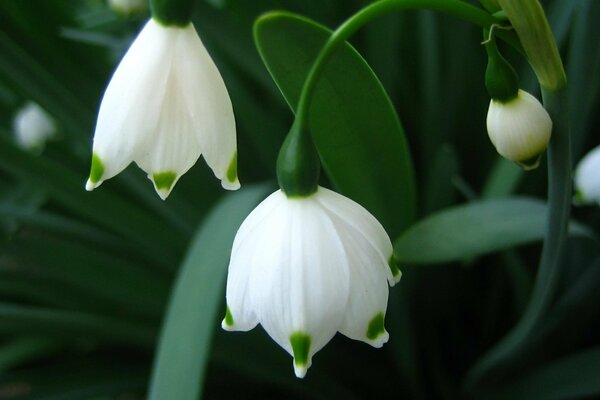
{"type": "Point", "coordinates": [519, 129]}
{"type": "Point", "coordinates": [33, 127]}
{"type": "Point", "coordinates": [587, 178]}
{"type": "Point", "coordinates": [308, 267]}
{"type": "Point", "coordinates": [165, 105]}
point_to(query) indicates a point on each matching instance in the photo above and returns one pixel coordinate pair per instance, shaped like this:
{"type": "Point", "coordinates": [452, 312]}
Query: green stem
{"type": "Point", "coordinates": [546, 283]}
{"type": "Point", "coordinates": [453, 7]}
{"type": "Point", "coordinates": [172, 12]}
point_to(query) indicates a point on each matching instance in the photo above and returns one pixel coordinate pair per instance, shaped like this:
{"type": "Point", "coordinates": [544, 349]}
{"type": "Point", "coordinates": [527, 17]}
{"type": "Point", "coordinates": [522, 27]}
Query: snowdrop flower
{"type": "Point", "coordinates": [519, 129]}
{"type": "Point", "coordinates": [33, 127]}
{"type": "Point", "coordinates": [587, 178]}
{"type": "Point", "coordinates": [165, 105]}
{"type": "Point", "coordinates": [306, 267]}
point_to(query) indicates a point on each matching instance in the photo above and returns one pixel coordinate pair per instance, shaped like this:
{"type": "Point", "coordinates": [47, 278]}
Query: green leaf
{"type": "Point", "coordinates": [190, 322]}
{"type": "Point", "coordinates": [149, 235]}
{"type": "Point", "coordinates": [355, 127]}
{"type": "Point", "coordinates": [475, 229]}
{"type": "Point", "coordinates": [15, 319]}
{"type": "Point", "coordinates": [26, 348]}
{"type": "Point", "coordinates": [575, 376]}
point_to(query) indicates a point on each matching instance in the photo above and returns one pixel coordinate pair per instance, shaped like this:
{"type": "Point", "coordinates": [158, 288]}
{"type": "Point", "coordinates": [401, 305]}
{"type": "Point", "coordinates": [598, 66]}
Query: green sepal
{"type": "Point", "coordinates": [172, 12]}
{"type": "Point", "coordinates": [501, 79]}
{"type": "Point", "coordinates": [298, 165]}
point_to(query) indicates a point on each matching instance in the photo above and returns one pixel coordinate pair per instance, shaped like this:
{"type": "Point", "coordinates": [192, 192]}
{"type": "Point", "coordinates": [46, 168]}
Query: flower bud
{"type": "Point", "coordinates": [129, 7]}
{"type": "Point", "coordinates": [33, 127]}
{"type": "Point", "coordinates": [519, 129]}
{"type": "Point", "coordinates": [587, 180]}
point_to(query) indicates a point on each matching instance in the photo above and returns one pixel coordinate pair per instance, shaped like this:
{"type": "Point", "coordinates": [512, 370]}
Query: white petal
{"type": "Point", "coordinates": [363, 222]}
{"type": "Point", "coordinates": [368, 288]}
{"type": "Point", "coordinates": [520, 129]}
{"type": "Point", "coordinates": [132, 101]}
{"type": "Point", "coordinates": [303, 279]}
{"type": "Point", "coordinates": [244, 256]}
{"type": "Point", "coordinates": [175, 148]}
{"type": "Point", "coordinates": [210, 108]}
{"type": "Point", "coordinates": [587, 177]}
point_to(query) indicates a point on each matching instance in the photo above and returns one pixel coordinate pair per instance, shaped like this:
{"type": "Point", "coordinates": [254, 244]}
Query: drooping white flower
{"type": "Point", "coordinates": [165, 105]}
{"type": "Point", "coordinates": [33, 127]}
{"type": "Point", "coordinates": [308, 267]}
{"type": "Point", "coordinates": [587, 178]}
{"type": "Point", "coordinates": [519, 129]}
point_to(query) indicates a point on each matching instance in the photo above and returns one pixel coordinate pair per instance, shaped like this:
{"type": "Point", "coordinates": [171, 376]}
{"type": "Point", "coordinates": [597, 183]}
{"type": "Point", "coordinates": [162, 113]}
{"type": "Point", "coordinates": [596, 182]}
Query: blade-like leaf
{"type": "Point", "coordinates": [354, 125]}
{"type": "Point", "coordinates": [190, 323]}
{"type": "Point", "coordinates": [474, 229]}
{"type": "Point", "coordinates": [575, 376]}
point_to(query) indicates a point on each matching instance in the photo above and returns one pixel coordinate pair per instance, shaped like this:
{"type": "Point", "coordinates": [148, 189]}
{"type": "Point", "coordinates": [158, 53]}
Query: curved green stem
{"type": "Point", "coordinates": [547, 279]}
{"type": "Point", "coordinates": [454, 7]}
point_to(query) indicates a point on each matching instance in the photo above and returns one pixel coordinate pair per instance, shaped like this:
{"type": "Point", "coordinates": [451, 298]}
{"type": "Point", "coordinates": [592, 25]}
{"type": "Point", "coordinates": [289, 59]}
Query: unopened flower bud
{"type": "Point", "coordinates": [519, 129]}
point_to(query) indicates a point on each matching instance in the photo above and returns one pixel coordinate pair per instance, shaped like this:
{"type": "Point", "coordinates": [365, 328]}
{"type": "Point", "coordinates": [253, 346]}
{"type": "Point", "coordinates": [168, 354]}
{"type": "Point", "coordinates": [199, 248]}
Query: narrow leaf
{"type": "Point", "coordinates": [575, 376]}
{"type": "Point", "coordinates": [190, 323]}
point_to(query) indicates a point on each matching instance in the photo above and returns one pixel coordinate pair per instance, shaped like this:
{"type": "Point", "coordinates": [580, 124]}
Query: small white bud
{"type": "Point", "coordinates": [519, 129]}
{"type": "Point", "coordinates": [587, 178]}
{"type": "Point", "coordinates": [129, 7]}
{"type": "Point", "coordinates": [33, 127]}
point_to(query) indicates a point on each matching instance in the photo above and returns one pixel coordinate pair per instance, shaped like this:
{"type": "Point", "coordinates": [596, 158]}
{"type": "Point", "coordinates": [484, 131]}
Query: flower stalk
{"type": "Point", "coordinates": [529, 20]}
{"type": "Point", "coordinates": [172, 12]}
{"type": "Point", "coordinates": [533, 30]}
{"type": "Point", "coordinates": [457, 8]}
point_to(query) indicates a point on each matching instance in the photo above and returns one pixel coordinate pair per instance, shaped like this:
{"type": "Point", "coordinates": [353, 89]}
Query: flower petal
{"type": "Point", "coordinates": [130, 107]}
{"type": "Point", "coordinates": [244, 255]}
{"type": "Point", "coordinates": [364, 223]}
{"type": "Point", "coordinates": [210, 108]}
{"type": "Point", "coordinates": [304, 279]}
{"type": "Point", "coordinates": [368, 288]}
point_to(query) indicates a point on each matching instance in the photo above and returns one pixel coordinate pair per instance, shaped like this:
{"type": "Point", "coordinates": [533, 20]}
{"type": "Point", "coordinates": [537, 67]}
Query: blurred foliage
{"type": "Point", "coordinates": [85, 278]}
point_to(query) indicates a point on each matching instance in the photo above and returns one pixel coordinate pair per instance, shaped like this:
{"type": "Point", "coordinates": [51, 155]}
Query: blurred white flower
{"type": "Point", "coordinates": [519, 129]}
{"type": "Point", "coordinates": [165, 105]}
{"type": "Point", "coordinates": [128, 7]}
{"type": "Point", "coordinates": [33, 127]}
{"type": "Point", "coordinates": [587, 178]}
{"type": "Point", "coordinates": [307, 267]}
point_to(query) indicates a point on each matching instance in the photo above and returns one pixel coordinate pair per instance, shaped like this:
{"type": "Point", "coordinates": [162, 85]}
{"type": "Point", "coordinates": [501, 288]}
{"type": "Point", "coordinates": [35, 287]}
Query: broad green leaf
{"type": "Point", "coordinates": [190, 323]}
{"type": "Point", "coordinates": [475, 229]}
{"type": "Point", "coordinates": [354, 125]}
{"type": "Point", "coordinates": [574, 376]}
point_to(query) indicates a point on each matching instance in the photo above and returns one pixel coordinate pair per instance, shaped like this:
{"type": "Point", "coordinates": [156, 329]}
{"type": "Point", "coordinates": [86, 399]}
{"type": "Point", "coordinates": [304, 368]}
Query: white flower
{"type": "Point", "coordinates": [165, 105]}
{"type": "Point", "coordinates": [587, 178]}
{"type": "Point", "coordinates": [32, 127]}
{"type": "Point", "coordinates": [307, 267]}
{"type": "Point", "coordinates": [129, 6]}
{"type": "Point", "coordinates": [519, 129]}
